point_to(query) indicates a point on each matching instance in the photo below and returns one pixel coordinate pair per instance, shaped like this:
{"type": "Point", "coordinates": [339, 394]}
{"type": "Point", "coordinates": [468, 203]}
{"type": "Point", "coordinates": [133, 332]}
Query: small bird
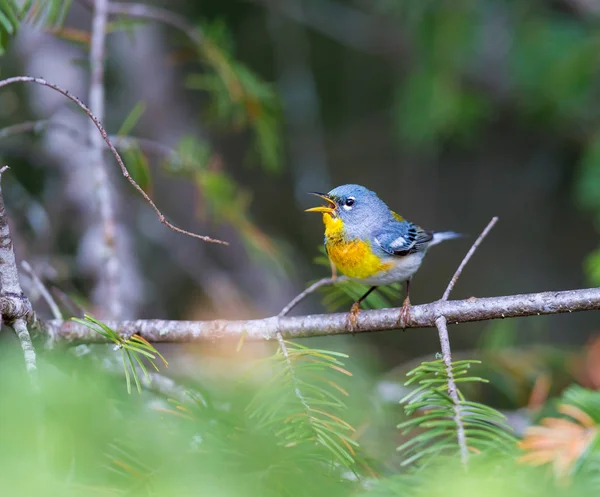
{"type": "Point", "coordinates": [371, 244]}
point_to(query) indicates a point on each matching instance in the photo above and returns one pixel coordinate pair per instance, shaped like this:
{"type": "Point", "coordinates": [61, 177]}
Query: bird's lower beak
{"type": "Point", "coordinates": [329, 209]}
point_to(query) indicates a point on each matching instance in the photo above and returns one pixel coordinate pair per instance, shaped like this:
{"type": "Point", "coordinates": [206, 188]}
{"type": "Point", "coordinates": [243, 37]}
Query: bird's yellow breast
{"type": "Point", "coordinates": [354, 258]}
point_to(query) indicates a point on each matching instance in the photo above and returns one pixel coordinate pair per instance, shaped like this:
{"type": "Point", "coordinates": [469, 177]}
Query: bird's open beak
{"type": "Point", "coordinates": [329, 209]}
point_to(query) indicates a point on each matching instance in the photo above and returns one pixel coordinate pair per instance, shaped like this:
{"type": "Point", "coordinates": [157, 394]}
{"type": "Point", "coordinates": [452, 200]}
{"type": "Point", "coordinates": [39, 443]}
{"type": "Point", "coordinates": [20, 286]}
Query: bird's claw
{"type": "Point", "coordinates": [352, 319]}
{"type": "Point", "coordinates": [404, 317]}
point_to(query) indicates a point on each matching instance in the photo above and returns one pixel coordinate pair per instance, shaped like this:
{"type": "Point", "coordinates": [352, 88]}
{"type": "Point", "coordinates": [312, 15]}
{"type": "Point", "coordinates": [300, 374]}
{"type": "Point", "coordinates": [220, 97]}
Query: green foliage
{"type": "Point", "coordinates": [492, 476]}
{"type": "Point", "coordinates": [134, 157]}
{"type": "Point", "coordinates": [585, 399]}
{"type": "Point", "coordinates": [49, 13]}
{"type": "Point", "coordinates": [192, 156]}
{"type": "Point", "coordinates": [133, 349]}
{"type": "Point", "coordinates": [132, 118]}
{"type": "Point", "coordinates": [239, 98]}
{"type": "Point", "coordinates": [554, 68]}
{"type": "Point", "coordinates": [223, 199]}
{"type": "Point", "coordinates": [485, 428]}
{"type": "Point", "coordinates": [432, 106]}
{"type": "Point", "coordinates": [588, 193]}
{"type": "Point", "coordinates": [83, 435]}
{"type": "Point", "coordinates": [302, 402]}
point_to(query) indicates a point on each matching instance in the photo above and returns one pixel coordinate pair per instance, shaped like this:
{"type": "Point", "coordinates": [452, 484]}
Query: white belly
{"type": "Point", "coordinates": [404, 268]}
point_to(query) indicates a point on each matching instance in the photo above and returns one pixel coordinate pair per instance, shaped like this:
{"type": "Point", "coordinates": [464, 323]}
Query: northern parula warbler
{"type": "Point", "coordinates": [370, 243]}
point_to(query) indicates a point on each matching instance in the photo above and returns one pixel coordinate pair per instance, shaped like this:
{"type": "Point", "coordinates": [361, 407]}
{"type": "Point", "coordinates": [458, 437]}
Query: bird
{"type": "Point", "coordinates": [371, 244]}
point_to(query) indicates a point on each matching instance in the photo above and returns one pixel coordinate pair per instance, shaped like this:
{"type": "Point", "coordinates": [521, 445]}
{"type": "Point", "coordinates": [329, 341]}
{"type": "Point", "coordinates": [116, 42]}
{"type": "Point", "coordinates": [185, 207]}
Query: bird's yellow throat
{"type": "Point", "coordinates": [354, 258]}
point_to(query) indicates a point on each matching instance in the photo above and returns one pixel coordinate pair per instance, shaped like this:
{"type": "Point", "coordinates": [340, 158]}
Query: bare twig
{"type": "Point", "coordinates": [109, 279]}
{"type": "Point", "coordinates": [81, 105]}
{"type": "Point", "coordinates": [452, 390]}
{"type": "Point", "coordinates": [43, 290]}
{"type": "Point", "coordinates": [15, 306]}
{"type": "Point", "coordinates": [467, 257]}
{"type": "Point", "coordinates": [291, 327]}
{"type": "Point", "coordinates": [441, 325]}
{"type": "Point", "coordinates": [20, 327]}
{"type": "Point", "coordinates": [311, 289]}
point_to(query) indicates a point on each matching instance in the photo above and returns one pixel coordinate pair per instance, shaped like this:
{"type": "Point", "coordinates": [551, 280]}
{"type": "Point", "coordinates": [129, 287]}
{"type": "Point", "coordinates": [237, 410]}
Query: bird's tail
{"type": "Point", "coordinates": [441, 236]}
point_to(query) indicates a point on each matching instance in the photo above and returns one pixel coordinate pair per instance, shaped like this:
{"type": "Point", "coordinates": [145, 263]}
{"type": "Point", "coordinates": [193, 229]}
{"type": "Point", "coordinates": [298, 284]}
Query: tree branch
{"type": "Point", "coordinates": [15, 306]}
{"type": "Point", "coordinates": [20, 327]}
{"type": "Point", "coordinates": [102, 183]}
{"type": "Point", "coordinates": [113, 150]}
{"type": "Point", "coordinates": [467, 257]}
{"type": "Point", "coordinates": [422, 316]}
{"type": "Point", "coordinates": [442, 326]}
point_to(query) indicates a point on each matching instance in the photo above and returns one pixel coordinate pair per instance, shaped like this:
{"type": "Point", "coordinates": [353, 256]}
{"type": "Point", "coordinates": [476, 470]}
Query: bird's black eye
{"type": "Point", "coordinates": [350, 201]}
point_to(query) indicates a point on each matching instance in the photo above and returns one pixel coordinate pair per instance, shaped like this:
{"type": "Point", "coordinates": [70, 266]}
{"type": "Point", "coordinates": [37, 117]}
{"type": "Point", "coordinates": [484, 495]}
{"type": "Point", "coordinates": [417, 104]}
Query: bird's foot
{"type": "Point", "coordinates": [352, 319]}
{"type": "Point", "coordinates": [404, 317]}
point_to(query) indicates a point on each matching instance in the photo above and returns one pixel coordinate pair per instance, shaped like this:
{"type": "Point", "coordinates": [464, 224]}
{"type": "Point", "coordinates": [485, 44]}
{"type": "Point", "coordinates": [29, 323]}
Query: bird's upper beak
{"type": "Point", "coordinates": [329, 209]}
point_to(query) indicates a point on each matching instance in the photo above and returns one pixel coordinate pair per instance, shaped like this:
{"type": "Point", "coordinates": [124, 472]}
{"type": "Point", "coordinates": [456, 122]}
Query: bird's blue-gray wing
{"type": "Point", "coordinates": [402, 238]}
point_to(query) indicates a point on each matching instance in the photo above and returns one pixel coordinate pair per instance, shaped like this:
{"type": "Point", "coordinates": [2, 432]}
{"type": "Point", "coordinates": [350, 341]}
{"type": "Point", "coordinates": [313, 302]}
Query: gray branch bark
{"type": "Point", "coordinates": [14, 305]}
{"type": "Point", "coordinates": [421, 316]}
{"type": "Point", "coordinates": [109, 278]}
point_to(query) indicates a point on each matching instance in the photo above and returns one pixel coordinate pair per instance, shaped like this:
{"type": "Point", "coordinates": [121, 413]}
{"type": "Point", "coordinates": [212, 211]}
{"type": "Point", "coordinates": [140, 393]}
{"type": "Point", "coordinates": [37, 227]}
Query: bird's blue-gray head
{"type": "Point", "coordinates": [358, 207]}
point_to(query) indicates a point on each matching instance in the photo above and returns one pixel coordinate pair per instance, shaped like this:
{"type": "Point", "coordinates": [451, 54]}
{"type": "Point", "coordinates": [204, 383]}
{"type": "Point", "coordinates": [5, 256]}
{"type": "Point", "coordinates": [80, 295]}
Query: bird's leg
{"type": "Point", "coordinates": [333, 270]}
{"type": "Point", "coordinates": [405, 311]}
{"type": "Point", "coordinates": [352, 320]}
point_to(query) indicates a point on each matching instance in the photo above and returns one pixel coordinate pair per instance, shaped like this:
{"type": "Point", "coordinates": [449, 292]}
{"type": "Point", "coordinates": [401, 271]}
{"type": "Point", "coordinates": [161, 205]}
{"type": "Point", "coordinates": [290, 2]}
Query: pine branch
{"type": "Point", "coordinates": [421, 316]}
{"type": "Point", "coordinates": [113, 150]}
{"type": "Point", "coordinates": [442, 327]}
{"type": "Point", "coordinates": [444, 421]}
{"type": "Point", "coordinates": [440, 324]}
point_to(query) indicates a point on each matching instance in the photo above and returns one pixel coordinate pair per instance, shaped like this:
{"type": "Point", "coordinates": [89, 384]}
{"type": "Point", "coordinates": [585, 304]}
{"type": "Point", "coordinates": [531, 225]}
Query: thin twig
{"type": "Point", "coordinates": [292, 327]}
{"type": "Point", "coordinates": [16, 308]}
{"type": "Point", "coordinates": [20, 327]}
{"type": "Point", "coordinates": [442, 327]}
{"type": "Point", "coordinates": [467, 257]}
{"type": "Point", "coordinates": [109, 278]}
{"type": "Point", "coordinates": [82, 106]}
{"type": "Point", "coordinates": [452, 390]}
{"type": "Point", "coordinates": [311, 289]}
{"type": "Point", "coordinates": [39, 284]}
